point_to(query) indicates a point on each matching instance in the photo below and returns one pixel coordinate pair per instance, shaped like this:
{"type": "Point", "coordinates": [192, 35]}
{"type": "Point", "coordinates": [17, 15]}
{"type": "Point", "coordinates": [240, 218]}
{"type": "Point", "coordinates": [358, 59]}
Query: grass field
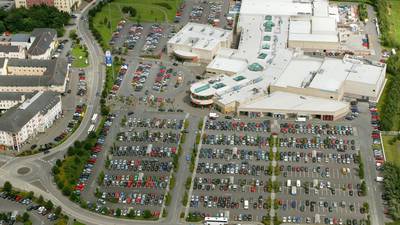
{"type": "Point", "coordinates": [392, 152]}
{"type": "Point", "coordinates": [79, 55]}
{"type": "Point", "coordinates": [395, 17]}
{"type": "Point", "coordinates": [147, 11]}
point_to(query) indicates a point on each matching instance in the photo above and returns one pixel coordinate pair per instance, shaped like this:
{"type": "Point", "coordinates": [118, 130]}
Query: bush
{"type": "Point", "coordinates": [168, 199]}
{"type": "Point", "coordinates": [147, 214]}
{"type": "Point", "coordinates": [185, 199]}
{"type": "Point", "coordinates": [188, 183]}
{"type": "Point", "coordinates": [129, 9]}
{"type": "Point", "coordinates": [7, 187]}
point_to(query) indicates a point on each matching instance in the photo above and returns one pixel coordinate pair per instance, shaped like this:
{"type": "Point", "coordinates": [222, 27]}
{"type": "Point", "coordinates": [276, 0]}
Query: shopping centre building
{"type": "Point", "coordinates": [283, 64]}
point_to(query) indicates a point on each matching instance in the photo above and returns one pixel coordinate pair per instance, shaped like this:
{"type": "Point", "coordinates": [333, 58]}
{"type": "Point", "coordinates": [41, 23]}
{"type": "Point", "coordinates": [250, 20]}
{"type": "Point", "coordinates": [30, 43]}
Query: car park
{"type": "Point", "coordinates": [140, 162]}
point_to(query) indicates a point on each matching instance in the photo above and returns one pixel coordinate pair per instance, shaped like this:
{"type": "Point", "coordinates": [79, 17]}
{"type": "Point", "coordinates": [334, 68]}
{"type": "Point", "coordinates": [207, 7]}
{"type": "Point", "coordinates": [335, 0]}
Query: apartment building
{"type": "Point", "coordinates": [26, 120]}
{"type": "Point", "coordinates": [62, 5]}
{"type": "Point", "coordinates": [29, 75]}
{"type": "Point", "coordinates": [11, 99]}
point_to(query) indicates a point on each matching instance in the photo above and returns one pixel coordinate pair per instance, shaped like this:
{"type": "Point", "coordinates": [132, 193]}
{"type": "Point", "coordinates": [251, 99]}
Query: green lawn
{"type": "Point", "coordinates": [147, 11]}
{"type": "Point", "coordinates": [78, 223]}
{"type": "Point", "coordinates": [79, 55]}
{"type": "Point", "coordinates": [392, 152]}
{"type": "Point", "coordinates": [395, 17]}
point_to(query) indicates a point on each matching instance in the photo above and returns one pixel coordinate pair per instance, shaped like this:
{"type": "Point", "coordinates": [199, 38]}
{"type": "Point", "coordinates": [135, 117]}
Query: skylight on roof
{"type": "Point", "coordinates": [239, 78]}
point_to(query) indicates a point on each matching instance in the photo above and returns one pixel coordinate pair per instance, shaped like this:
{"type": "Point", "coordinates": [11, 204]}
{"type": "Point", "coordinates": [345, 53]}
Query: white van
{"type": "Point", "coordinates": [246, 204]}
{"type": "Point", "coordinates": [298, 183]}
{"type": "Point", "coordinates": [294, 190]}
{"type": "Point", "coordinates": [289, 183]}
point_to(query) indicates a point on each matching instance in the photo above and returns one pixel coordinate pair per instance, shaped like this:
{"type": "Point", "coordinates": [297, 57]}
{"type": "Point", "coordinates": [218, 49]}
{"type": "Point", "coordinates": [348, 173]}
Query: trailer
{"type": "Point", "coordinates": [91, 128]}
{"type": "Point", "coordinates": [94, 118]}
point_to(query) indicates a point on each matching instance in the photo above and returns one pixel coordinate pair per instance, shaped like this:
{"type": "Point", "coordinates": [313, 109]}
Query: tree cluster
{"type": "Point", "coordinates": [388, 38]}
{"type": "Point", "coordinates": [391, 184]}
{"type": "Point", "coordinates": [25, 20]}
{"type": "Point", "coordinates": [129, 10]}
{"type": "Point", "coordinates": [67, 171]}
{"type": "Point", "coordinates": [391, 105]}
{"type": "Point", "coordinates": [95, 32]}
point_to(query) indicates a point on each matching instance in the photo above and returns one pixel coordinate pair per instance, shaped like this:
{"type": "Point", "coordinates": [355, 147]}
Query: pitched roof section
{"type": "Point", "coordinates": [9, 48]}
{"type": "Point", "coordinates": [17, 117]}
{"type": "Point", "coordinates": [56, 71]}
{"type": "Point", "coordinates": [43, 39]}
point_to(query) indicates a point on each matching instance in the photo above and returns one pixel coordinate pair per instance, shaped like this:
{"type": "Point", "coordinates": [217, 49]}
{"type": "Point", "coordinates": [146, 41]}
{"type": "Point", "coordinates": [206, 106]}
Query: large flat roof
{"type": "Point", "coordinates": [318, 29]}
{"type": "Point", "coordinates": [334, 72]}
{"type": "Point", "coordinates": [289, 102]}
{"type": "Point", "coordinates": [276, 7]}
{"type": "Point", "coordinates": [233, 65]}
{"type": "Point", "coordinates": [200, 36]}
{"type": "Point", "coordinates": [298, 71]}
{"type": "Point", "coordinates": [222, 84]}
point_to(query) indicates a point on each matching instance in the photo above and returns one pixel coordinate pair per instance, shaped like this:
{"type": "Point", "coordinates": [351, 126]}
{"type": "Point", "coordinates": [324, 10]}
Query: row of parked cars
{"type": "Point", "coordinates": [140, 75]}
{"type": "Point", "coordinates": [327, 129]}
{"type": "Point", "coordinates": [144, 150]}
{"type": "Point", "coordinates": [134, 35]}
{"type": "Point", "coordinates": [318, 157]}
{"type": "Point", "coordinates": [118, 80]}
{"type": "Point", "coordinates": [230, 184]}
{"type": "Point", "coordinates": [196, 13]}
{"type": "Point", "coordinates": [131, 198]}
{"type": "Point", "coordinates": [97, 148]}
{"type": "Point", "coordinates": [117, 32]}
{"type": "Point", "coordinates": [149, 136]}
{"type": "Point", "coordinates": [316, 142]}
{"type": "Point", "coordinates": [140, 165]}
{"type": "Point", "coordinates": [137, 180]}
{"type": "Point", "coordinates": [30, 207]}
{"type": "Point", "coordinates": [234, 139]}
{"type": "Point", "coordinates": [228, 125]}
{"type": "Point", "coordinates": [77, 116]}
{"type": "Point", "coordinates": [155, 122]}
{"type": "Point", "coordinates": [235, 153]}
{"type": "Point", "coordinates": [82, 86]}
{"type": "Point", "coordinates": [153, 38]}
{"type": "Point", "coordinates": [162, 78]}
{"type": "Point", "coordinates": [243, 168]}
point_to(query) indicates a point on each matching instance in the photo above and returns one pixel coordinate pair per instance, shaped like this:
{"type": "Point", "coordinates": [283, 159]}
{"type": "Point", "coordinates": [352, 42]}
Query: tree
{"type": "Point", "coordinates": [58, 210]}
{"type": "Point", "coordinates": [118, 212]}
{"type": "Point", "coordinates": [2, 27]}
{"type": "Point", "coordinates": [30, 195]}
{"type": "Point", "coordinates": [73, 35]}
{"type": "Point", "coordinates": [25, 217]}
{"type": "Point", "coordinates": [40, 200]}
{"type": "Point", "coordinates": [7, 187]}
{"type": "Point", "coordinates": [49, 205]}
{"type": "Point", "coordinates": [100, 178]}
{"type": "Point", "coordinates": [131, 213]}
{"type": "Point", "coordinates": [146, 214]}
{"type": "Point", "coordinates": [129, 10]}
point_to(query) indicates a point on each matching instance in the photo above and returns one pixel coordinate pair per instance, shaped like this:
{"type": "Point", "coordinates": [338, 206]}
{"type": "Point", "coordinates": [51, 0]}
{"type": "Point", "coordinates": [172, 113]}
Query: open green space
{"type": "Point", "coordinates": [106, 20]}
{"type": "Point", "coordinates": [395, 18]}
{"type": "Point", "coordinates": [392, 149]}
{"type": "Point", "coordinates": [80, 55]}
